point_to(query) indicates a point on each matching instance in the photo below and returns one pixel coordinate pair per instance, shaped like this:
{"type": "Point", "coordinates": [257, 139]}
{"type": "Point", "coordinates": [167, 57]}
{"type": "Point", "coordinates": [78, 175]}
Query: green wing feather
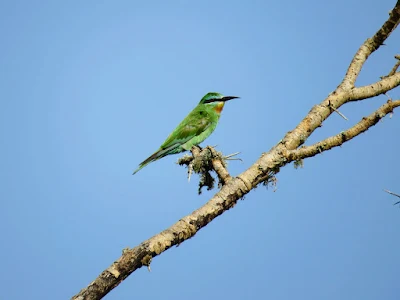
{"type": "Point", "coordinates": [188, 129]}
{"type": "Point", "coordinates": [192, 126]}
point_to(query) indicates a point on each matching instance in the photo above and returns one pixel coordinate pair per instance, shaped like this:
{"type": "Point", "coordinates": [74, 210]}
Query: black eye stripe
{"type": "Point", "coordinates": [212, 100]}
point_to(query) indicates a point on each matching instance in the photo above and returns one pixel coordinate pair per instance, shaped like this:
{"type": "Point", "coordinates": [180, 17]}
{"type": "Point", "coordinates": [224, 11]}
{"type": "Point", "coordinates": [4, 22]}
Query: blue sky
{"type": "Point", "coordinates": [89, 89]}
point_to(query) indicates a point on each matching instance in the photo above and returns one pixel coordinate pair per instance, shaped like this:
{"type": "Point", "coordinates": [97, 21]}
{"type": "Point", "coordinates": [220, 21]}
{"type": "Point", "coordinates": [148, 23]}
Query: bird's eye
{"type": "Point", "coordinates": [201, 113]}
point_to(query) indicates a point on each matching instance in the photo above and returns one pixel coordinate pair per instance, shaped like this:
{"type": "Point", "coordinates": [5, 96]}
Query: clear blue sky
{"type": "Point", "coordinates": [91, 88]}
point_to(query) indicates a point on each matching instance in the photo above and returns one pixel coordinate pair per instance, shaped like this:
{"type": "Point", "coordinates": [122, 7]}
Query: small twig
{"type": "Point", "coordinates": [394, 69]}
{"type": "Point", "coordinates": [229, 157]}
{"type": "Point", "coordinates": [394, 194]}
{"type": "Point", "coordinates": [387, 95]}
{"type": "Point", "coordinates": [219, 167]}
{"type": "Point", "coordinates": [390, 99]}
{"type": "Point", "coordinates": [391, 193]}
{"type": "Point", "coordinates": [396, 66]}
{"type": "Point", "coordinates": [340, 114]}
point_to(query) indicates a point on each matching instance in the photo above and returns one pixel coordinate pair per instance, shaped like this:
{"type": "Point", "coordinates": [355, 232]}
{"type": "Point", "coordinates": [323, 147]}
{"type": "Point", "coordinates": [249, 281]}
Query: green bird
{"type": "Point", "coordinates": [194, 129]}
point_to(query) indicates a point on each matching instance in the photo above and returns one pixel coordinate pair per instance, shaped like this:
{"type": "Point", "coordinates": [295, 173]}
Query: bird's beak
{"type": "Point", "coordinates": [227, 98]}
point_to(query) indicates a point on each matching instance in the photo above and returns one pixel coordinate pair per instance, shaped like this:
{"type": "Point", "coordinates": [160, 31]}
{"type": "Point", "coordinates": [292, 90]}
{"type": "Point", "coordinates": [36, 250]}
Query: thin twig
{"type": "Point", "coordinates": [391, 193]}
{"type": "Point", "coordinates": [394, 194]}
{"type": "Point", "coordinates": [396, 66]}
{"type": "Point", "coordinates": [229, 157]}
{"type": "Point", "coordinates": [339, 113]}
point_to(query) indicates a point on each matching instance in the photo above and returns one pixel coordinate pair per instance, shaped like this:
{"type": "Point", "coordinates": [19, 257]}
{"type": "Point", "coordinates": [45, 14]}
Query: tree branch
{"type": "Point", "coordinates": [378, 88]}
{"type": "Point", "coordinates": [344, 136]}
{"type": "Point", "coordinates": [369, 46]}
{"type": "Point", "coordinates": [263, 171]}
{"type": "Point", "coordinates": [217, 161]}
{"type": "Point", "coordinates": [202, 162]}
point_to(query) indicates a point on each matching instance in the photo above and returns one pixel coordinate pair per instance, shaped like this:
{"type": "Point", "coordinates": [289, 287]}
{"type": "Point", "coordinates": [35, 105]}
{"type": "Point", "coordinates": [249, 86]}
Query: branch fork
{"type": "Point", "coordinates": [205, 160]}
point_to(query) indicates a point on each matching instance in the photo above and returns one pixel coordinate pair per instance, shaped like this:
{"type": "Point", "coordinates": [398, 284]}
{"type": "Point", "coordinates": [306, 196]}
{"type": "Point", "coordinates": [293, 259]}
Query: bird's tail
{"type": "Point", "coordinates": [155, 156]}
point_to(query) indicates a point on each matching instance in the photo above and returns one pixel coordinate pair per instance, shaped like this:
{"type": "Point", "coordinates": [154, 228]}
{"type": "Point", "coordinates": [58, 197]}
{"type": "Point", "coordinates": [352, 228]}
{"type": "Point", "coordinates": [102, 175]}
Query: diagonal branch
{"type": "Point", "coordinates": [369, 46]}
{"type": "Point", "coordinates": [378, 88]}
{"type": "Point", "coordinates": [319, 113]}
{"type": "Point", "coordinates": [344, 136]}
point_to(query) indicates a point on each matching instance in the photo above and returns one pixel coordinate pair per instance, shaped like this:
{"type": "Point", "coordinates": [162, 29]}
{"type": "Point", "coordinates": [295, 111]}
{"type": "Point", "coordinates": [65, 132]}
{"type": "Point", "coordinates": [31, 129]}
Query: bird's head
{"type": "Point", "coordinates": [216, 100]}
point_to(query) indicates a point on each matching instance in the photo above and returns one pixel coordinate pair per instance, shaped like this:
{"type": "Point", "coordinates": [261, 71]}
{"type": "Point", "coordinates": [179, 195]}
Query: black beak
{"type": "Point", "coordinates": [227, 98]}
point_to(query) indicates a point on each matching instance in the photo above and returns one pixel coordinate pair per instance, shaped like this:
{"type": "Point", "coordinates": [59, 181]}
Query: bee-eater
{"type": "Point", "coordinates": [194, 129]}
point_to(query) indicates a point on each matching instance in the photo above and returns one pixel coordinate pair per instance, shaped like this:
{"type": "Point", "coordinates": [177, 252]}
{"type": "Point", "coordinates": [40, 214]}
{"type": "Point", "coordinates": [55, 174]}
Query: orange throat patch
{"type": "Point", "coordinates": [218, 108]}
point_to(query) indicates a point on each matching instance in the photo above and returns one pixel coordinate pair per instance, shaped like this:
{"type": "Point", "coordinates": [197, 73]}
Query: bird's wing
{"type": "Point", "coordinates": [189, 128]}
{"type": "Point", "coordinates": [193, 125]}
{"type": "Point", "coordinates": [157, 155]}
